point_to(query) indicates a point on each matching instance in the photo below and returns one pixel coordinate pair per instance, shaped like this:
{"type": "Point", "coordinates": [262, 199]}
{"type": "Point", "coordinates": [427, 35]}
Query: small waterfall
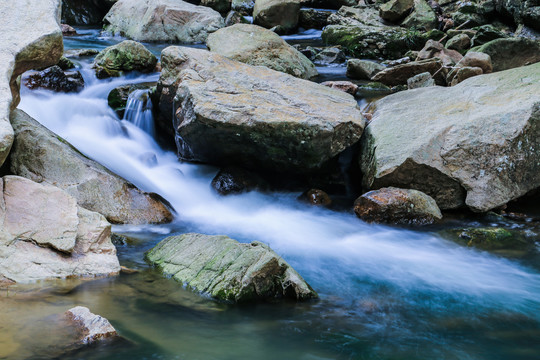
{"type": "Point", "coordinates": [139, 111]}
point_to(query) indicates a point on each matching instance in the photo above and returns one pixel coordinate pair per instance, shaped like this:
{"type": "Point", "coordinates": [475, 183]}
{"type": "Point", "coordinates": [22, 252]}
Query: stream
{"type": "Point", "coordinates": [385, 292]}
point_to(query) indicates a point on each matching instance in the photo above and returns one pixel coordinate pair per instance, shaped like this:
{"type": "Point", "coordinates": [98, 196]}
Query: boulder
{"type": "Point", "coordinates": [244, 7]}
{"type": "Point", "coordinates": [345, 86]}
{"type": "Point", "coordinates": [509, 53]}
{"type": "Point", "coordinates": [398, 75]}
{"type": "Point", "coordinates": [229, 113]}
{"type": "Point", "coordinates": [459, 42]}
{"type": "Point", "coordinates": [228, 270]}
{"type": "Point", "coordinates": [118, 97]}
{"type": "Point", "coordinates": [254, 45]}
{"type": "Point", "coordinates": [44, 234]}
{"type": "Point", "coordinates": [363, 69]}
{"type": "Point", "coordinates": [422, 17]}
{"type": "Point", "coordinates": [477, 59]}
{"type": "Point", "coordinates": [282, 13]}
{"type": "Point", "coordinates": [65, 64]}
{"type": "Point", "coordinates": [90, 327]}
{"type": "Point", "coordinates": [313, 18]}
{"type": "Point", "coordinates": [55, 79]}
{"type": "Point", "coordinates": [32, 40]}
{"type": "Point", "coordinates": [235, 180]}
{"type": "Point", "coordinates": [486, 33]}
{"type": "Point", "coordinates": [463, 73]}
{"type": "Point", "coordinates": [397, 206]}
{"type": "Point", "coordinates": [471, 144]}
{"type": "Point", "coordinates": [162, 20]}
{"type": "Point", "coordinates": [395, 10]}
{"type": "Point", "coordinates": [496, 239]}
{"type": "Point", "coordinates": [434, 49]}
{"type": "Point", "coordinates": [68, 30]}
{"type": "Point", "coordinates": [221, 6]}
{"type": "Point", "coordinates": [420, 80]}
{"type": "Point", "coordinates": [126, 56]}
{"type": "Point", "coordinates": [328, 4]}
{"type": "Point", "coordinates": [330, 55]}
{"type": "Point", "coordinates": [42, 156]}
{"type": "Point", "coordinates": [234, 17]}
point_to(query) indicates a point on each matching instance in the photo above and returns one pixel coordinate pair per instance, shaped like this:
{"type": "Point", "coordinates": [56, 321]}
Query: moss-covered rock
{"type": "Point", "coordinates": [228, 270]}
{"type": "Point", "coordinates": [127, 56]}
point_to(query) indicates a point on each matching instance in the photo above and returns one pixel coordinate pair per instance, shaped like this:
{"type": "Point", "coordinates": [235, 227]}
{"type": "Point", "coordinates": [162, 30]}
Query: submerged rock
{"type": "Point", "coordinates": [42, 156]}
{"type": "Point", "coordinates": [474, 143]}
{"type": "Point", "coordinates": [257, 46]}
{"type": "Point", "coordinates": [229, 270]}
{"type": "Point", "coordinates": [55, 79]}
{"type": "Point", "coordinates": [127, 56]}
{"type": "Point", "coordinates": [162, 20]}
{"type": "Point", "coordinates": [397, 206]}
{"type": "Point", "coordinates": [230, 113]}
{"type": "Point", "coordinates": [44, 234]}
{"type": "Point", "coordinates": [90, 327]}
{"type": "Point", "coordinates": [282, 13]}
{"type": "Point", "coordinates": [32, 40]}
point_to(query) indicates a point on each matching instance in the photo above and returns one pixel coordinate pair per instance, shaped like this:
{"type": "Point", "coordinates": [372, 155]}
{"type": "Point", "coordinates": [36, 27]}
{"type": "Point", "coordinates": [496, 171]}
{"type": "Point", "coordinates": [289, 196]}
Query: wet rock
{"type": "Point", "coordinates": [221, 6]}
{"type": "Point", "coordinates": [162, 20]}
{"type": "Point", "coordinates": [459, 42]}
{"type": "Point", "coordinates": [244, 7]}
{"type": "Point", "coordinates": [127, 56]}
{"type": "Point", "coordinates": [470, 150]}
{"type": "Point", "coordinates": [228, 270]}
{"type": "Point", "coordinates": [90, 327]}
{"type": "Point", "coordinates": [490, 238]}
{"type": "Point", "coordinates": [477, 59]}
{"type": "Point", "coordinates": [313, 18]}
{"type": "Point", "coordinates": [234, 180]}
{"type": "Point", "coordinates": [509, 53]}
{"type": "Point", "coordinates": [44, 234]}
{"type": "Point", "coordinates": [84, 12]}
{"type": "Point", "coordinates": [420, 81]}
{"type": "Point", "coordinates": [254, 45]}
{"type": "Point", "coordinates": [286, 125]}
{"type": "Point", "coordinates": [65, 64]}
{"type": "Point", "coordinates": [362, 69]}
{"type": "Point", "coordinates": [55, 79]}
{"type": "Point", "coordinates": [31, 40]}
{"type": "Point", "coordinates": [463, 73]}
{"type": "Point", "coordinates": [42, 156]}
{"type": "Point", "coordinates": [118, 97]}
{"type": "Point", "coordinates": [316, 197]}
{"type": "Point", "coordinates": [373, 90]}
{"type": "Point", "coordinates": [80, 53]}
{"type": "Point", "coordinates": [345, 86]}
{"type": "Point", "coordinates": [397, 206]}
{"type": "Point", "coordinates": [283, 13]}
{"type": "Point", "coordinates": [234, 17]}
{"type": "Point", "coordinates": [434, 49]}
{"type": "Point", "coordinates": [485, 34]}
{"type": "Point", "coordinates": [398, 75]}
{"type": "Point", "coordinates": [332, 55]}
{"type": "Point", "coordinates": [68, 30]}
{"type": "Point", "coordinates": [395, 10]}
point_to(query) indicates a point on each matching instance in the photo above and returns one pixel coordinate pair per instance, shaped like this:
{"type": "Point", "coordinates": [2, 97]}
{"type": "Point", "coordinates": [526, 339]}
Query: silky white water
{"type": "Point", "coordinates": [336, 252]}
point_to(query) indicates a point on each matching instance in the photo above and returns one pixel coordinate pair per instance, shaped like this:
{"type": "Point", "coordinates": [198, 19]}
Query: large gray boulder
{"type": "Point", "coordinates": [254, 45]}
{"type": "Point", "coordinates": [31, 39]}
{"type": "Point", "coordinates": [230, 113]}
{"type": "Point", "coordinates": [42, 156]}
{"type": "Point", "coordinates": [282, 13]}
{"type": "Point", "coordinates": [473, 144]}
{"type": "Point", "coordinates": [44, 234]}
{"type": "Point", "coordinates": [228, 270]}
{"type": "Point", "coordinates": [162, 20]}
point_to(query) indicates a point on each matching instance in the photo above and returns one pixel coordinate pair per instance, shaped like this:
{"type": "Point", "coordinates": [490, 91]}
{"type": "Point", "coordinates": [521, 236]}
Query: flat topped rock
{"type": "Point", "coordinates": [230, 113]}
{"type": "Point", "coordinates": [229, 270]}
{"type": "Point", "coordinates": [91, 327]}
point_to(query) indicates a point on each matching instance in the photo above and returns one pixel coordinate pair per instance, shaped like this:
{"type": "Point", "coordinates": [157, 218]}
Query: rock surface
{"type": "Point", "coordinates": [282, 13]}
{"type": "Point", "coordinates": [127, 56]}
{"type": "Point", "coordinates": [55, 79]}
{"type": "Point", "coordinates": [395, 10]}
{"type": "Point", "coordinates": [362, 69]}
{"type": "Point", "coordinates": [509, 53]}
{"type": "Point", "coordinates": [398, 75]}
{"type": "Point", "coordinates": [34, 41]}
{"type": "Point", "coordinates": [42, 156]}
{"type": "Point", "coordinates": [230, 113]}
{"type": "Point", "coordinates": [234, 180]}
{"type": "Point", "coordinates": [474, 143]}
{"type": "Point", "coordinates": [44, 234]}
{"type": "Point", "coordinates": [91, 327]}
{"type": "Point", "coordinates": [229, 270]}
{"type": "Point", "coordinates": [254, 45]}
{"type": "Point", "coordinates": [397, 206]}
{"type": "Point", "coordinates": [163, 20]}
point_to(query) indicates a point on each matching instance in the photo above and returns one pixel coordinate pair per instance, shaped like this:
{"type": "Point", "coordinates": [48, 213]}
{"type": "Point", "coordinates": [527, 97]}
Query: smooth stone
{"type": "Point", "coordinates": [90, 327]}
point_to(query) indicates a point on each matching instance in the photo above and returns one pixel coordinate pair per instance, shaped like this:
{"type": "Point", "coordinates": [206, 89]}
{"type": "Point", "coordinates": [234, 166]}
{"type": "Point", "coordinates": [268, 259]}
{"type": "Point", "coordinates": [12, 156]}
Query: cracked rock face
{"type": "Point", "coordinates": [44, 234]}
{"type": "Point", "coordinates": [474, 144]}
{"type": "Point", "coordinates": [229, 270]}
{"type": "Point", "coordinates": [230, 113]}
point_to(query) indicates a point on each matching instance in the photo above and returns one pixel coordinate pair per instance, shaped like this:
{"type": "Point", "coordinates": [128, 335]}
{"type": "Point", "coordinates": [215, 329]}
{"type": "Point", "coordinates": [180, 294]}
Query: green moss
{"type": "Point", "coordinates": [492, 238]}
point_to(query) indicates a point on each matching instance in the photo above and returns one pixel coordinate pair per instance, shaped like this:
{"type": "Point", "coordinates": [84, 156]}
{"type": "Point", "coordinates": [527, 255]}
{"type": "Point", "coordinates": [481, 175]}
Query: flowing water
{"type": "Point", "coordinates": [386, 293]}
